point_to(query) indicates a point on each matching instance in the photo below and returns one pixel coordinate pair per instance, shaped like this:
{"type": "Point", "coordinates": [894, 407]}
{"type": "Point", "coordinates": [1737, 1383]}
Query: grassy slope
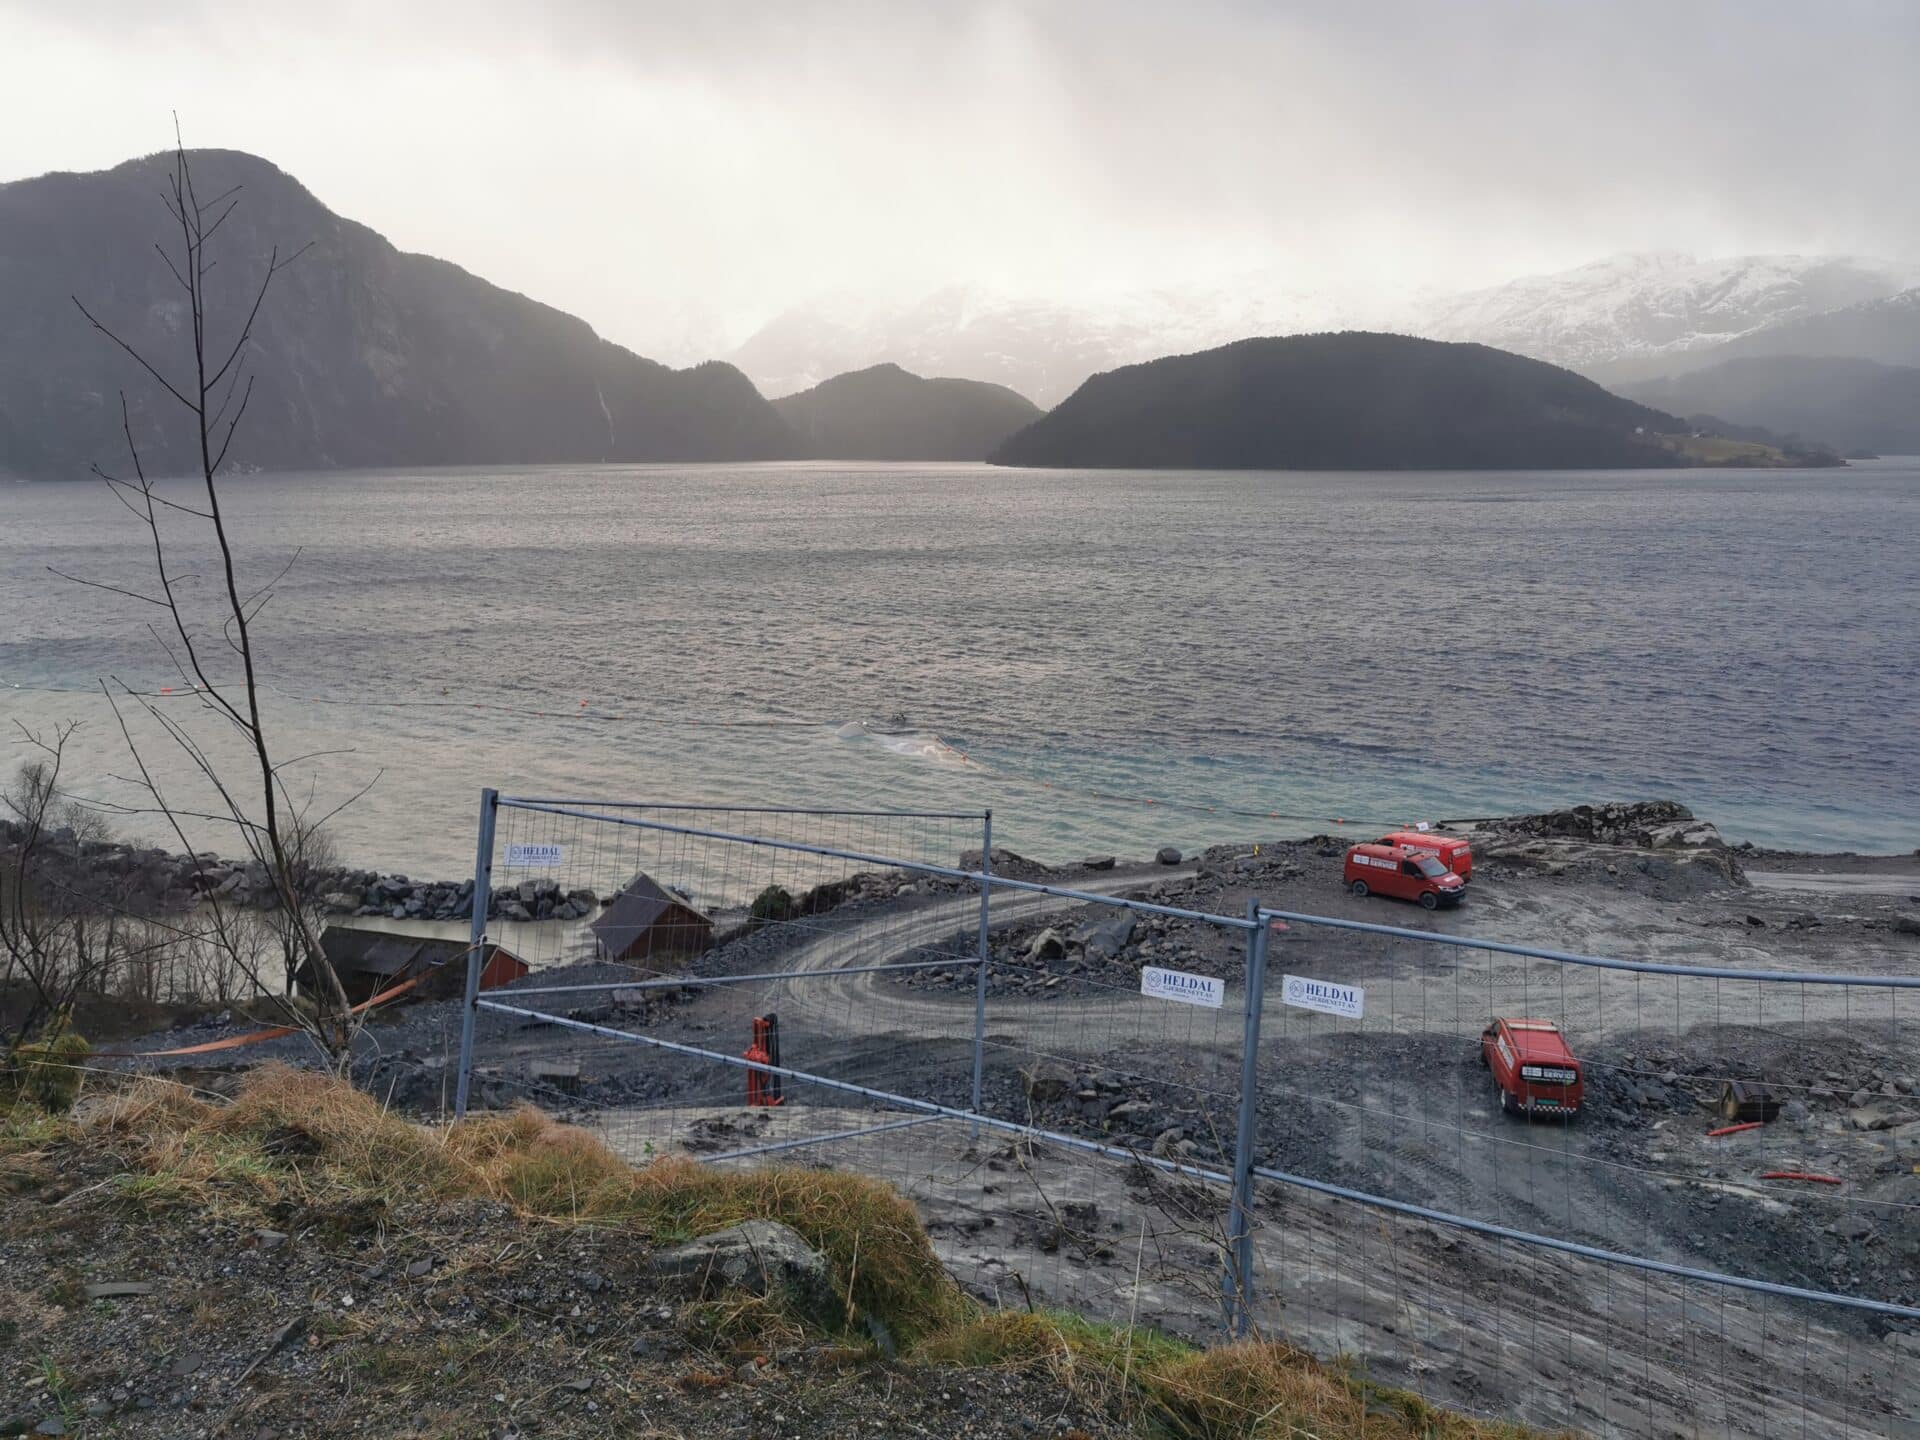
{"type": "Point", "coordinates": [1718, 450]}
{"type": "Point", "coordinates": [155, 1180]}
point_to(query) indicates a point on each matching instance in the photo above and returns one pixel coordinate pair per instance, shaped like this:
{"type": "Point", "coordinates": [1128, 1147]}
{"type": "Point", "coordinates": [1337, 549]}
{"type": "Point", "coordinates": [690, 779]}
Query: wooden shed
{"type": "Point", "coordinates": [646, 925]}
{"type": "Point", "coordinates": [369, 961]}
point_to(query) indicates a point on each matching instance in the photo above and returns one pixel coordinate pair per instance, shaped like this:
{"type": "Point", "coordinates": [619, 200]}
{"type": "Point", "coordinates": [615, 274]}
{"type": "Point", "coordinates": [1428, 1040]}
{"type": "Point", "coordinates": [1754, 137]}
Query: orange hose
{"type": "Point", "coordinates": [1735, 1129]}
{"type": "Point", "coordinates": [1801, 1175]}
{"type": "Point", "coordinates": [252, 1037]}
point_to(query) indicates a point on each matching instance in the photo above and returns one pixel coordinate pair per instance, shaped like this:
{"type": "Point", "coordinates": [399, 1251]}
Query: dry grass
{"type": "Point", "coordinates": [294, 1135]}
{"type": "Point", "coordinates": [1249, 1391]}
{"type": "Point", "coordinates": [1718, 450]}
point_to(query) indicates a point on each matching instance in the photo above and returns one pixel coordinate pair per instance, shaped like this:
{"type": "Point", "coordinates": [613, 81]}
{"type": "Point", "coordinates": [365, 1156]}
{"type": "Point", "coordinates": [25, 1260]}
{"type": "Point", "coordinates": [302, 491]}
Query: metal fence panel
{"type": "Point", "coordinates": [1236, 1146]}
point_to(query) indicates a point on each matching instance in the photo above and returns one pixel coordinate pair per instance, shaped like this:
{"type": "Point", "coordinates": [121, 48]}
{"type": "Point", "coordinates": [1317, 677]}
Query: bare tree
{"type": "Point", "coordinates": [67, 927]}
{"type": "Point", "coordinates": [214, 653]}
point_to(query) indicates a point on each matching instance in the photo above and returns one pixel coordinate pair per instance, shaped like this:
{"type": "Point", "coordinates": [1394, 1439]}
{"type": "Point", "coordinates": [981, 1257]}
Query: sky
{"type": "Point", "coordinates": [677, 174]}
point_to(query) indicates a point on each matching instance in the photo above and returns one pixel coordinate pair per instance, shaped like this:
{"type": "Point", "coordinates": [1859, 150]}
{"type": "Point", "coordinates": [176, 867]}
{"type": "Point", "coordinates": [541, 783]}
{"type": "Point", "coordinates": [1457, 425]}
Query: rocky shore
{"type": "Point", "coordinates": [152, 880]}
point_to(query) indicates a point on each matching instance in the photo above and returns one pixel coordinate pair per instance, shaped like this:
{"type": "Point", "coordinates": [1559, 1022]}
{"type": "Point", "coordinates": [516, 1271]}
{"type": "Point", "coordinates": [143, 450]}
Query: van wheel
{"type": "Point", "coordinates": [1507, 1103]}
{"type": "Point", "coordinates": [1359, 888]}
{"type": "Point", "coordinates": [1429, 900]}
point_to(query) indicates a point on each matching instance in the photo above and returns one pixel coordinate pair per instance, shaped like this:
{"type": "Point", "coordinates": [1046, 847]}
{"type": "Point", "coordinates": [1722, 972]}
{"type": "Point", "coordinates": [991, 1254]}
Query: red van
{"type": "Point", "coordinates": [1454, 852]}
{"type": "Point", "coordinates": [1403, 874]}
{"type": "Point", "coordinates": [1534, 1073]}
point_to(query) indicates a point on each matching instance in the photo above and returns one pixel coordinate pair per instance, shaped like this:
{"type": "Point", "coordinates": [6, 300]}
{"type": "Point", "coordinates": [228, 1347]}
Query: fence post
{"type": "Point", "coordinates": [980, 978]}
{"type": "Point", "coordinates": [1236, 1284]}
{"type": "Point", "coordinates": [476, 945]}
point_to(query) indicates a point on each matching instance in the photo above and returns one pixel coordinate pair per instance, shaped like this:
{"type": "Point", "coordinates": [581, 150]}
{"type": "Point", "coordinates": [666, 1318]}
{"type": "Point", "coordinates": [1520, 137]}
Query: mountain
{"type": "Point", "coordinates": [1849, 403]}
{"type": "Point", "coordinates": [1629, 317]}
{"type": "Point", "coordinates": [1634, 312]}
{"type": "Point", "coordinates": [883, 413]}
{"type": "Point", "coordinates": [1885, 330]}
{"type": "Point", "coordinates": [364, 355]}
{"type": "Point", "coordinates": [1039, 347]}
{"type": "Point", "coordinates": [1349, 401]}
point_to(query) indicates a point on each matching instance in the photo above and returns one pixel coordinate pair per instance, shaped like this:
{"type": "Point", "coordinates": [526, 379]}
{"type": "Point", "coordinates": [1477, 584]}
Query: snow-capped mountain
{"type": "Point", "coordinates": [1616, 319]}
{"type": "Point", "coordinates": [1629, 313]}
{"type": "Point", "coordinates": [1041, 348]}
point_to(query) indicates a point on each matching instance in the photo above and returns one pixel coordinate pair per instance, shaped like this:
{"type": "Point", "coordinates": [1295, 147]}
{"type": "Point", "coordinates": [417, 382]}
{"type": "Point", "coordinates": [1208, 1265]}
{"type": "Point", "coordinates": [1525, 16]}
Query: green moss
{"type": "Point", "coordinates": [47, 1072]}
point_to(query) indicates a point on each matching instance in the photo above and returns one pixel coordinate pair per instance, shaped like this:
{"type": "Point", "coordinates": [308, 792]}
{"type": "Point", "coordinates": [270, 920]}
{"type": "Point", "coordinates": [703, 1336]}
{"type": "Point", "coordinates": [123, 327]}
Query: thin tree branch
{"type": "Point", "coordinates": [165, 384]}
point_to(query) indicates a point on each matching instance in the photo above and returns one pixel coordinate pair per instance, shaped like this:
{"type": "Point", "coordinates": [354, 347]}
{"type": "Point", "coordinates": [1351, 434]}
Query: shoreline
{"type": "Point", "coordinates": [174, 882]}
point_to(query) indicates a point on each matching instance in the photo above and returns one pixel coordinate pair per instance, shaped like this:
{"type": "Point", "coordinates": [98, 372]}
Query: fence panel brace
{"type": "Point", "coordinates": [476, 943]}
{"type": "Point", "coordinates": [986, 951]}
{"type": "Point", "coordinates": [1236, 1283]}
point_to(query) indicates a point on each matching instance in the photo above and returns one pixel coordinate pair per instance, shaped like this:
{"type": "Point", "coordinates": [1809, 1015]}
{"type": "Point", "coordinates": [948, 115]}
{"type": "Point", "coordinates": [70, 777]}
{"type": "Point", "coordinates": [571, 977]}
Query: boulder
{"type": "Point", "coordinates": [1134, 1114]}
{"type": "Point", "coordinates": [759, 1257]}
{"type": "Point", "coordinates": [1098, 862]}
{"type": "Point", "coordinates": [1045, 1081]}
{"type": "Point", "coordinates": [1006, 862]}
{"type": "Point", "coordinates": [562, 1075]}
{"type": "Point", "coordinates": [1853, 1227]}
{"type": "Point", "coordinates": [1684, 835]}
{"type": "Point", "coordinates": [1875, 1117]}
{"type": "Point", "coordinates": [1906, 924]}
{"type": "Point", "coordinates": [1047, 945]}
{"type": "Point", "coordinates": [1108, 938]}
{"type": "Point", "coordinates": [1167, 855]}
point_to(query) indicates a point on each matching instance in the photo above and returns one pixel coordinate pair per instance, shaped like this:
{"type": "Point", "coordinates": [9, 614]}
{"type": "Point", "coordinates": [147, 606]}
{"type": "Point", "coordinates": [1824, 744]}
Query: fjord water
{"type": "Point", "coordinates": [1305, 647]}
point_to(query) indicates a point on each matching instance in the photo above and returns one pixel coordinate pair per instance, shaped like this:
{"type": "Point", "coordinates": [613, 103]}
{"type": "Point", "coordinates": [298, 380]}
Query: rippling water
{"type": "Point", "coordinates": [1373, 646]}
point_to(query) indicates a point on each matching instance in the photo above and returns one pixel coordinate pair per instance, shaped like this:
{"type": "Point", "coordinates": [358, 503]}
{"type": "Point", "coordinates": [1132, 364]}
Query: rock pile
{"type": "Point", "coordinates": [529, 900]}
{"type": "Point", "coordinates": [1096, 1102]}
{"type": "Point", "coordinates": [1677, 854]}
{"type": "Point", "coordinates": [1642, 824]}
{"type": "Point", "coordinates": [1101, 947]}
{"type": "Point", "coordinates": [1865, 1093]}
{"type": "Point", "coordinates": [145, 879]}
{"type": "Point", "coordinates": [367, 892]}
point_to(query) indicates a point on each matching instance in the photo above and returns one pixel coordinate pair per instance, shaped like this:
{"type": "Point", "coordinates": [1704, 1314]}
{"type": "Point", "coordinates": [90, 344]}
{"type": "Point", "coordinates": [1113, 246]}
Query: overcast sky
{"type": "Point", "coordinates": [677, 173]}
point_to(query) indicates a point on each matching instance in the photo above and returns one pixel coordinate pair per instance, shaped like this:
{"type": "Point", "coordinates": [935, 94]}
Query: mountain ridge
{"type": "Point", "coordinates": [1350, 400]}
{"type": "Point", "coordinates": [887, 413]}
{"type": "Point", "coordinates": [1630, 314]}
{"type": "Point", "coordinates": [368, 355]}
{"type": "Point", "coordinates": [364, 354]}
{"type": "Point", "coordinates": [1626, 310]}
{"type": "Point", "coordinates": [1844, 401]}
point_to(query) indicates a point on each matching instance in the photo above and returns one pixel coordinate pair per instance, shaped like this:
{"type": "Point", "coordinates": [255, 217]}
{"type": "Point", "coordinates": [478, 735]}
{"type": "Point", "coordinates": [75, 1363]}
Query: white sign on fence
{"type": "Point", "coordinates": [1187, 989]}
{"type": "Point", "coordinates": [534, 857]}
{"type": "Point", "coordinates": [1324, 996]}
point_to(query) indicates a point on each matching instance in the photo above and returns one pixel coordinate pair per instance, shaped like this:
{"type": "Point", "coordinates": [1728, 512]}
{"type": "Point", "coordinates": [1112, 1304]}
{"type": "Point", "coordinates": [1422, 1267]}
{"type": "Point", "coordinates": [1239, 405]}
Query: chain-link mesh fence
{"type": "Point", "coordinates": [1291, 1124]}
